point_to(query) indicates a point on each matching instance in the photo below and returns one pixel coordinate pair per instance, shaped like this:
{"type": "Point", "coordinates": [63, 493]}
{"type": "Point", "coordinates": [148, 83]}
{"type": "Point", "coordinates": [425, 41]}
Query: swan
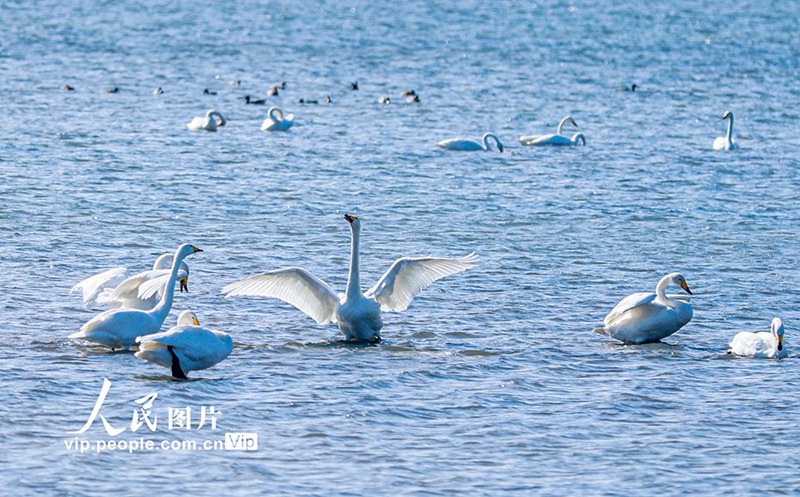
{"type": "Point", "coordinates": [276, 121]}
{"type": "Point", "coordinates": [576, 139]}
{"type": "Point", "coordinates": [117, 288]}
{"type": "Point", "coordinates": [185, 347]}
{"type": "Point", "coordinates": [118, 328]}
{"type": "Point", "coordinates": [357, 314]}
{"type": "Point", "coordinates": [726, 142]}
{"type": "Point", "coordinates": [649, 317]}
{"type": "Point", "coordinates": [467, 144]}
{"type": "Point", "coordinates": [207, 123]}
{"type": "Point", "coordinates": [528, 139]}
{"type": "Point", "coordinates": [762, 344]}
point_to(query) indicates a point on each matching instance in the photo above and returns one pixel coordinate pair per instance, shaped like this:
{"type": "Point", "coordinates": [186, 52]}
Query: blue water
{"type": "Point", "coordinates": [491, 383]}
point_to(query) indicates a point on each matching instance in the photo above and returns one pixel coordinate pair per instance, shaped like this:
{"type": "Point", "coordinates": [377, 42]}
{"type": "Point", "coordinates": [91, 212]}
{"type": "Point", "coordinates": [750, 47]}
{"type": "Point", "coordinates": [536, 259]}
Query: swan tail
{"type": "Point", "coordinates": [601, 331]}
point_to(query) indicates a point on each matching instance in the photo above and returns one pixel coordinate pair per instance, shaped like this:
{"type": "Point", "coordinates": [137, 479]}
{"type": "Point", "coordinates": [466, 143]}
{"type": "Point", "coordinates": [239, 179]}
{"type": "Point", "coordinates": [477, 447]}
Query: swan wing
{"type": "Point", "coordinates": [152, 282]}
{"type": "Point", "coordinates": [93, 286]}
{"type": "Point", "coordinates": [628, 303]}
{"type": "Point", "coordinates": [295, 286]}
{"type": "Point", "coordinates": [409, 276]}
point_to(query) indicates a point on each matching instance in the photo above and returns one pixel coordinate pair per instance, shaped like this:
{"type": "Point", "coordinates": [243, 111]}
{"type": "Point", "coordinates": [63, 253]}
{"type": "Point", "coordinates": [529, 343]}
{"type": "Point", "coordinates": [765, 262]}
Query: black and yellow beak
{"type": "Point", "coordinates": [196, 249]}
{"type": "Point", "coordinates": [780, 342]}
{"type": "Point", "coordinates": [195, 321]}
{"type": "Point", "coordinates": [185, 285]}
{"type": "Point", "coordinates": [350, 218]}
{"type": "Point", "coordinates": [686, 287]}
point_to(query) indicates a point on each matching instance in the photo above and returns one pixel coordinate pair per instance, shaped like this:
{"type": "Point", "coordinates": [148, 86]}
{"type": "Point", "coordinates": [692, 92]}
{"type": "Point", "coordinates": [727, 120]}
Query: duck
{"type": "Point", "coordinates": [541, 139]}
{"type": "Point", "coordinates": [357, 313]}
{"type": "Point", "coordinates": [408, 93]}
{"type": "Point", "coordinates": [384, 100]}
{"type": "Point", "coordinates": [354, 86]}
{"type": "Point", "coordinates": [628, 88]}
{"type": "Point", "coordinates": [307, 101]}
{"type": "Point", "coordinates": [327, 100]}
{"type": "Point", "coordinates": [210, 122]}
{"type": "Point", "coordinates": [235, 82]}
{"type": "Point", "coordinates": [469, 144]}
{"type": "Point", "coordinates": [276, 121]}
{"type": "Point", "coordinates": [253, 101]}
{"type": "Point", "coordinates": [273, 91]}
{"type": "Point", "coordinates": [69, 88]}
{"type": "Point", "coordinates": [209, 92]}
{"type": "Point", "coordinates": [761, 344]}
{"type": "Point", "coordinates": [185, 347]}
{"type": "Point", "coordinates": [726, 142]}
{"type": "Point", "coordinates": [110, 90]}
{"type": "Point", "coordinates": [158, 91]}
{"type": "Point", "coordinates": [119, 328]}
{"type": "Point", "coordinates": [649, 317]}
{"type": "Point", "coordinates": [412, 99]}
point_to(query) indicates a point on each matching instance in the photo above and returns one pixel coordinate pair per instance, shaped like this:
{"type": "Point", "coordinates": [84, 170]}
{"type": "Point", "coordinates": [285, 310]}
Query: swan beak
{"type": "Point", "coordinates": [350, 218]}
{"type": "Point", "coordinates": [500, 148]}
{"type": "Point", "coordinates": [686, 287]}
{"type": "Point", "coordinates": [185, 285]}
{"type": "Point", "coordinates": [195, 321]}
{"type": "Point", "coordinates": [574, 123]}
{"type": "Point", "coordinates": [780, 342]}
{"type": "Point", "coordinates": [196, 249]}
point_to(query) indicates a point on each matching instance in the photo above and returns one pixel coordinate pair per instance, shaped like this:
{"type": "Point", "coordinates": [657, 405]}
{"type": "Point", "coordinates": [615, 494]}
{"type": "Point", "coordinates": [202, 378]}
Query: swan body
{"type": "Point", "coordinates": [185, 347]}
{"type": "Point", "coordinates": [761, 344]}
{"type": "Point", "coordinates": [649, 317]}
{"type": "Point", "coordinates": [118, 288]}
{"type": "Point", "coordinates": [469, 145]}
{"type": "Point", "coordinates": [118, 328]}
{"type": "Point", "coordinates": [276, 121]}
{"type": "Point", "coordinates": [211, 122]}
{"type": "Point", "coordinates": [577, 139]}
{"type": "Point", "coordinates": [726, 142]}
{"type": "Point", "coordinates": [357, 314]}
{"type": "Point", "coordinates": [530, 139]}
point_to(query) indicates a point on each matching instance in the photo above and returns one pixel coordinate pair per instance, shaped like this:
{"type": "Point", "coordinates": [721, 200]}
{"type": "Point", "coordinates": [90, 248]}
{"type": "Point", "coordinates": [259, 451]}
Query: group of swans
{"type": "Point", "coordinates": [275, 121]}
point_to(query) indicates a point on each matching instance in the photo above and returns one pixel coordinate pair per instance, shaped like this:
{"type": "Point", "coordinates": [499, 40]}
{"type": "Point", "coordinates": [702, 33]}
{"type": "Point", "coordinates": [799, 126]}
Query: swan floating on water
{"type": "Point", "coordinates": [469, 145]}
{"type": "Point", "coordinates": [357, 314]}
{"type": "Point", "coordinates": [577, 139]}
{"type": "Point", "coordinates": [726, 142]}
{"type": "Point", "coordinates": [649, 317]}
{"type": "Point", "coordinates": [544, 139]}
{"type": "Point", "coordinates": [208, 123]}
{"type": "Point", "coordinates": [185, 347]}
{"type": "Point", "coordinates": [762, 344]}
{"type": "Point", "coordinates": [276, 121]}
{"type": "Point", "coordinates": [118, 328]}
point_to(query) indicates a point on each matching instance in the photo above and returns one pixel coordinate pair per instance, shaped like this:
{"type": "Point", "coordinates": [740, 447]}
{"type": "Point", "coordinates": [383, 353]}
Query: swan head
{"type": "Point", "coordinates": [777, 329]}
{"type": "Point", "coordinates": [185, 250]}
{"type": "Point", "coordinates": [353, 220]}
{"type": "Point", "coordinates": [572, 122]}
{"type": "Point", "coordinates": [188, 318]}
{"type": "Point", "coordinates": [727, 115]}
{"type": "Point", "coordinates": [578, 137]}
{"type": "Point", "coordinates": [678, 280]}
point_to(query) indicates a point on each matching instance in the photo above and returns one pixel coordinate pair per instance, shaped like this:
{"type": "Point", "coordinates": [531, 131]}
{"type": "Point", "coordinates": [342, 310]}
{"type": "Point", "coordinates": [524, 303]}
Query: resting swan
{"type": "Point", "coordinates": [469, 145]}
{"type": "Point", "coordinates": [185, 347]}
{"type": "Point", "coordinates": [118, 328]}
{"type": "Point", "coordinates": [649, 317]}
{"type": "Point", "coordinates": [276, 121]}
{"type": "Point", "coordinates": [207, 123]}
{"type": "Point", "coordinates": [726, 142]}
{"type": "Point", "coordinates": [762, 344]}
{"type": "Point", "coordinates": [576, 139]}
{"type": "Point", "coordinates": [528, 139]}
{"type": "Point", "coordinates": [357, 314]}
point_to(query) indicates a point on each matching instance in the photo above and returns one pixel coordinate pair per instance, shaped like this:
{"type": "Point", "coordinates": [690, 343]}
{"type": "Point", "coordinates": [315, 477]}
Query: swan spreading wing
{"type": "Point", "coordinates": [409, 276]}
{"type": "Point", "coordinates": [295, 286]}
{"type": "Point", "coordinates": [150, 282]}
{"type": "Point", "coordinates": [93, 286]}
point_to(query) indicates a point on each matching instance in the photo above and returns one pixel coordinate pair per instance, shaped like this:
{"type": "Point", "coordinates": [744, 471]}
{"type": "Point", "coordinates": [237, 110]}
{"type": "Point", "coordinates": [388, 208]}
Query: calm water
{"type": "Point", "coordinates": [492, 382]}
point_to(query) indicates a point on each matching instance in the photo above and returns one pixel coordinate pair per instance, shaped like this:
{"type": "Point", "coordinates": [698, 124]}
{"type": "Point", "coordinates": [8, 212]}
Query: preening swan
{"type": "Point", "coordinates": [117, 288]}
{"type": "Point", "coordinates": [208, 123]}
{"type": "Point", "coordinates": [276, 121]}
{"type": "Point", "coordinates": [357, 314]}
{"type": "Point", "coordinates": [185, 347]}
{"type": "Point", "coordinates": [118, 328]}
{"type": "Point", "coordinates": [726, 142]}
{"type": "Point", "coordinates": [649, 317]}
{"type": "Point", "coordinates": [542, 139]}
{"type": "Point", "coordinates": [469, 145]}
{"type": "Point", "coordinates": [761, 344]}
{"type": "Point", "coordinates": [577, 139]}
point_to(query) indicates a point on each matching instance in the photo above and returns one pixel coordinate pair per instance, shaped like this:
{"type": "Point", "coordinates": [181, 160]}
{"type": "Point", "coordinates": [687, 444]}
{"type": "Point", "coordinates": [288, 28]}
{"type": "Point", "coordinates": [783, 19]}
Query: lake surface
{"type": "Point", "coordinates": [492, 382]}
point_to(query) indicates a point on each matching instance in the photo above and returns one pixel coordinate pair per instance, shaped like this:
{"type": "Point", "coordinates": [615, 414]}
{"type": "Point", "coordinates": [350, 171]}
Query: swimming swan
{"type": "Point", "coordinates": [276, 121]}
{"type": "Point", "coordinates": [357, 314]}
{"type": "Point", "coordinates": [761, 344]}
{"type": "Point", "coordinates": [207, 123]}
{"type": "Point", "coordinates": [118, 328]}
{"type": "Point", "coordinates": [185, 347]}
{"type": "Point", "coordinates": [527, 139]}
{"type": "Point", "coordinates": [649, 317]}
{"type": "Point", "coordinates": [576, 139]}
{"type": "Point", "coordinates": [467, 144]}
{"type": "Point", "coordinates": [726, 142]}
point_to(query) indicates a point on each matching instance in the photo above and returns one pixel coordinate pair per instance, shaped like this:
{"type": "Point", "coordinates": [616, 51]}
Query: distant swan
{"type": "Point", "coordinates": [118, 328]}
{"type": "Point", "coordinates": [541, 139]}
{"type": "Point", "coordinates": [576, 139]}
{"type": "Point", "coordinates": [357, 314]}
{"type": "Point", "coordinates": [649, 317]}
{"type": "Point", "coordinates": [467, 144]}
{"type": "Point", "coordinates": [276, 121]}
{"type": "Point", "coordinates": [185, 347]}
{"type": "Point", "coordinates": [726, 142]}
{"type": "Point", "coordinates": [207, 123]}
{"type": "Point", "coordinates": [761, 344]}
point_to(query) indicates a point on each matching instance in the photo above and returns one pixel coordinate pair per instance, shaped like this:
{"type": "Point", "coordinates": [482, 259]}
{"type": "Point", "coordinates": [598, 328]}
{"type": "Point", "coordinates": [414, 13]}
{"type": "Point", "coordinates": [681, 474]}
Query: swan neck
{"type": "Point", "coordinates": [164, 305]}
{"type": "Point", "coordinates": [354, 279]}
{"type": "Point", "coordinates": [661, 293]}
{"type": "Point", "coordinates": [730, 127]}
{"type": "Point", "coordinates": [561, 125]}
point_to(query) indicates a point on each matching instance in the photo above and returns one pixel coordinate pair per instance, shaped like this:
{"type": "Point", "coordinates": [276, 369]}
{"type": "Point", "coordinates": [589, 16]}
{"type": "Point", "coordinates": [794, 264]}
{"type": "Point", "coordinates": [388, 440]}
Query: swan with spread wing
{"type": "Point", "coordinates": [357, 313]}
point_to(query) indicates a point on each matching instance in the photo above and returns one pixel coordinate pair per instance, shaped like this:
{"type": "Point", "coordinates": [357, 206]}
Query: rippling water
{"type": "Point", "coordinates": [492, 382]}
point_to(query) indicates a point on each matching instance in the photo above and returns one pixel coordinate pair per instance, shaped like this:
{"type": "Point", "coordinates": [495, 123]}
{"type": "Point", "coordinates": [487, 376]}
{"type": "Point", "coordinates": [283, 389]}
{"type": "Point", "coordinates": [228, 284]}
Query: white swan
{"type": "Point", "coordinates": [117, 288]}
{"type": "Point", "coordinates": [208, 123]}
{"type": "Point", "coordinates": [185, 347]}
{"type": "Point", "coordinates": [726, 142]}
{"type": "Point", "coordinates": [576, 139]}
{"type": "Point", "coordinates": [649, 317]}
{"type": "Point", "coordinates": [469, 145]}
{"type": "Point", "coordinates": [276, 121]}
{"type": "Point", "coordinates": [357, 314]}
{"type": "Point", "coordinates": [761, 344]}
{"type": "Point", "coordinates": [529, 139]}
{"type": "Point", "coordinates": [118, 328]}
